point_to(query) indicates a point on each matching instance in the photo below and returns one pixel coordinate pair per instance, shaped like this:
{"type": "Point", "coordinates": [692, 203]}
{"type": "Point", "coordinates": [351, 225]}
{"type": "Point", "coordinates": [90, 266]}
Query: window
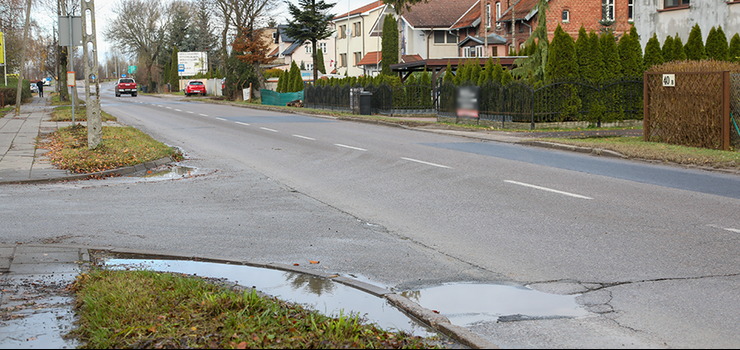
{"type": "Point", "coordinates": [439, 37]}
{"type": "Point", "coordinates": [630, 10]}
{"type": "Point", "coordinates": [566, 16]}
{"type": "Point", "coordinates": [479, 51]}
{"type": "Point", "coordinates": [309, 66]}
{"type": "Point", "coordinates": [309, 49]}
{"type": "Point", "coordinates": [466, 51]}
{"type": "Point", "coordinates": [358, 57]}
{"type": "Point", "coordinates": [607, 10]}
{"type": "Point", "coordinates": [676, 3]}
{"type": "Point", "coordinates": [495, 51]}
{"type": "Point", "coordinates": [275, 37]}
{"type": "Point", "coordinates": [451, 38]}
{"type": "Point", "coordinates": [498, 14]}
{"type": "Point", "coordinates": [322, 46]}
{"type": "Point", "coordinates": [342, 32]}
{"type": "Point", "coordinates": [488, 16]}
{"type": "Point", "coordinates": [357, 29]}
{"type": "Point", "coordinates": [343, 60]}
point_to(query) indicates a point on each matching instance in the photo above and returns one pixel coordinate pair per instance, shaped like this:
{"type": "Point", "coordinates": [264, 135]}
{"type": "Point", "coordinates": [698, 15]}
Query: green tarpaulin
{"type": "Point", "coordinates": [273, 98]}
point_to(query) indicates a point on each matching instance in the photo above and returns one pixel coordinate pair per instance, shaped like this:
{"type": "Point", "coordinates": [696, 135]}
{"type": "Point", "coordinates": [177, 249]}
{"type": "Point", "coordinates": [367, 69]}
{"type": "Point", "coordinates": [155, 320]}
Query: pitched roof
{"type": "Point", "coordinates": [469, 19]}
{"type": "Point", "coordinates": [274, 52]}
{"type": "Point", "coordinates": [292, 47]}
{"type": "Point", "coordinates": [284, 37]}
{"type": "Point", "coordinates": [437, 13]}
{"type": "Point", "coordinates": [363, 9]}
{"type": "Point", "coordinates": [493, 39]}
{"type": "Point", "coordinates": [375, 57]}
{"type": "Point", "coordinates": [521, 9]}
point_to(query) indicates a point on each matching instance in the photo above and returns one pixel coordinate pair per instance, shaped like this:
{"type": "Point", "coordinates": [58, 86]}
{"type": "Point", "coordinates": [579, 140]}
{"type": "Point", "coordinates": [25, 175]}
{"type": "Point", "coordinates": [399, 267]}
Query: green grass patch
{"type": "Point", "coordinates": [635, 147]}
{"type": "Point", "coordinates": [146, 309]}
{"type": "Point", "coordinates": [64, 114]}
{"type": "Point", "coordinates": [121, 146]}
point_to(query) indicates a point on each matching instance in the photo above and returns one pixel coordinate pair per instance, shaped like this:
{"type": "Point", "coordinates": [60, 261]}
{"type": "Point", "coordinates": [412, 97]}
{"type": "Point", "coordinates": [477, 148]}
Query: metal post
{"type": "Point", "coordinates": [645, 108]}
{"type": "Point", "coordinates": [5, 63]}
{"type": "Point", "coordinates": [726, 110]}
{"type": "Point", "coordinates": [70, 59]}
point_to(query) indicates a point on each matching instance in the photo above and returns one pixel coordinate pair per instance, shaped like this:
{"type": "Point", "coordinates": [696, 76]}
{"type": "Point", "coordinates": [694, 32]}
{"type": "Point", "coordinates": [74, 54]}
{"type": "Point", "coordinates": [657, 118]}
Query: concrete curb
{"type": "Point", "coordinates": [578, 149]}
{"type": "Point", "coordinates": [429, 317]}
{"type": "Point", "coordinates": [115, 172]}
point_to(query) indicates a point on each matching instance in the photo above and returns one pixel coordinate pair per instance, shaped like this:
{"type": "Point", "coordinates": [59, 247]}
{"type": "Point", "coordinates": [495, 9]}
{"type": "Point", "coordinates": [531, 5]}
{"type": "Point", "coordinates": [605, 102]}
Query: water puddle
{"type": "Point", "coordinates": [321, 294]}
{"type": "Point", "coordinates": [465, 303]}
{"type": "Point", "coordinates": [174, 172]}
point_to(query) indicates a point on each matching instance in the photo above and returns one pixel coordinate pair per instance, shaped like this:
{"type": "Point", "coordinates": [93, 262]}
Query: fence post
{"type": "Point", "coordinates": [531, 126]}
{"type": "Point", "coordinates": [726, 110]}
{"type": "Point", "coordinates": [645, 108]}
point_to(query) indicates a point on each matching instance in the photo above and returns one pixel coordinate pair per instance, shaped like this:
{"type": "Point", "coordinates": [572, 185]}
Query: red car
{"type": "Point", "coordinates": [126, 86]}
{"type": "Point", "coordinates": [195, 87]}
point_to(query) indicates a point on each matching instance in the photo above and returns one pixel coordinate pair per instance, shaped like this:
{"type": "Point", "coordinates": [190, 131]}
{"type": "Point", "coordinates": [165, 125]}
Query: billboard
{"type": "Point", "coordinates": [191, 63]}
{"type": "Point", "coordinates": [2, 49]}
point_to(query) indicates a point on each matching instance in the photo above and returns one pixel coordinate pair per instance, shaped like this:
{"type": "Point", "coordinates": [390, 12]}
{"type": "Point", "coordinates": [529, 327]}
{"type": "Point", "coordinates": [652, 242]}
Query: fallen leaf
{"type": "Point", "coordinates": [313, 261]}
{"type": "Point", "coordinates": [153, 329]}
{"type": "Point", "coordinates": [333, 276]}
{"type": "Point", "coordinates": [295, 264]}
{"type": "Point", "coordinates": [193, 328]}
{"type": "Point", "coordinates": [435, 311]}
{"type": "Point", "coordinates": [29, 339]}
{"type": "Point", "coordinates": [242, 345]}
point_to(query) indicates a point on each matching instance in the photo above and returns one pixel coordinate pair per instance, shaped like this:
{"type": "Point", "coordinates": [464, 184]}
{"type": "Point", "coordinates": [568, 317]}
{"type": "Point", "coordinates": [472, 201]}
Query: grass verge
{"type": "Point", "coordinates": [121, 146]}
{"type": "Point", "coordinates": [146, 309]}
{"type": "Point", "coordinates": [64, 114]}
{"type": "Point", "coordinates": [635, 147]}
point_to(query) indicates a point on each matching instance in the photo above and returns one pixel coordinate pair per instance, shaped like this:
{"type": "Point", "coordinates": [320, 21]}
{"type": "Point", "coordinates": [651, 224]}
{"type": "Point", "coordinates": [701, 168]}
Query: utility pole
{"type": "Point", "coordinates": [23, 60]}
{"type": "Point", "coordinates": [484, 25]}
{"type": "Point", "coordinates": [91, 71]}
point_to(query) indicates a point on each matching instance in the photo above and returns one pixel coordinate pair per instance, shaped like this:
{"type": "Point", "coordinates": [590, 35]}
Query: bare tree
{"type": "Point", "coordinates": [139, 30]}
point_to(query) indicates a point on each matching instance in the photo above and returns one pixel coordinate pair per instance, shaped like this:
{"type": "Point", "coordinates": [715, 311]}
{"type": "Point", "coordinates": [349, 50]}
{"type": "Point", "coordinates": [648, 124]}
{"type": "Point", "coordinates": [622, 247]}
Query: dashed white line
{"type": "Point", "coordinates": [202, 115]}
{"type": "Point", "coordinates": [725, 228]}
{"type": "Point", "coordinates": [178, 110]}
{"type": "Point", "coordinates": [268, 129]}
{"type": "Point", "coordinates": [220, 118]}
{"type": "Point", "coordinates": [238, 122]}
{"type": "Point", "coordinates": [304, 137]}
{"type": "Point", "coordinates": [160, 106]}
{"type": "Point", "coordinates": [350, 147]}
{"type": "Point", "coordinates": [427, 163]}
{"type": "Point", "coordinates": [190, 112]}
{"type": "Point", "coordinates": [168, 107]}
{"type": "Point", "coordinates": [548, 189]}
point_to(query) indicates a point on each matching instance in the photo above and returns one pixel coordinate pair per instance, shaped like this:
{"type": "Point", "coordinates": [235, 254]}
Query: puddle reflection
{"type": "Point", "coordinates": [321, 294]}
{"type": "Point", "coordinates": [466, 303]}
{"type": "Point", "coordinates": [172, 173]}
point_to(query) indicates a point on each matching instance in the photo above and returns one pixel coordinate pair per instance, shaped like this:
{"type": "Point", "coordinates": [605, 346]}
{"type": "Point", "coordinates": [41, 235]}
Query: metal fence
{"type": "Point", "coordinates": [565, 100]}
{"type": "Point", "coordinates": [735, 110]}
{"type": "Point", "coordinates": [386, 99]}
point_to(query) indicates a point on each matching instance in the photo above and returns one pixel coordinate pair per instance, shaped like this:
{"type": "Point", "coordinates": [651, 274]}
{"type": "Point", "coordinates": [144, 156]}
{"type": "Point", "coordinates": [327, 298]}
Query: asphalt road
{"type": "Point", "coordinates": [653, 249]}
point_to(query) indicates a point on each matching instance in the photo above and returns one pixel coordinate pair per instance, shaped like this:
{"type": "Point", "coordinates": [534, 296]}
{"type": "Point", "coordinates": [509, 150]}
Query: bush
{"type": "Point", "coordinates": [697, 66]}
{"type": "Point", "coordinates": [717, 45]}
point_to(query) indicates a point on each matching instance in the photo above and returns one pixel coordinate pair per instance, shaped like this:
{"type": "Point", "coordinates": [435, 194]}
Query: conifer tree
{"type": "Point", "coordinates": [734, 51]}
{"type": "Point", "coordinates": [475, 71]}
{"type": "Point", "coordinates": [320, 61]}
{"type": "Point", "coordinates": [630, 54]}
{"type": "Point", "coordinates": [174, 78]}
{"type": "Point", "coordinates": [449, 78]}
{"type": "Point", "coordinates": [653, 54]}
{"type": "Point", "coordinates": [561, 63]}
{"type": "Point", "coordinates": [487, 74]}
{"type": "Point", "coordinates": [597, 68]}
{"type": "Point", "coordinates": [506, 78]}
{"type": "Point", "coordinates": [667, 50]}
{"type": "Point", "coordinates": [610, 55]}
{"type": "Point", "coordinates": [694, 46]}
{"type": "Point", "coordinates": [281, 82]}
{"type": "Point", "coordinates": [679, 51]}
{"type": "Point", "coordinates": [498, 72]}
{"type": "Point", "coordinates": [389, 44]}
{"type": "Point", "coordinates": [582, 53]}
{"type": "Point", "coordinates": [535, 64]}
{"type": "Point", "coordinates": [295, 81]}
{"type": "Point", "coordinates": [717, 45]}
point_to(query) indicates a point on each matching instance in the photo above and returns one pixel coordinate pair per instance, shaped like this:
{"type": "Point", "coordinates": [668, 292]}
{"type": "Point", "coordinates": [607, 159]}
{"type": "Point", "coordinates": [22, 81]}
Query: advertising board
{"type": "Point", "coordinates": [191, 63]}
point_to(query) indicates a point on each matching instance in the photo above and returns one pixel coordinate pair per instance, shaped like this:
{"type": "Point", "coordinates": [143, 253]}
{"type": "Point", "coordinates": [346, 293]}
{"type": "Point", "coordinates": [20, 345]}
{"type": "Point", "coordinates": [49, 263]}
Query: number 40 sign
{"type": "Point", "coordinates": [669, 80]}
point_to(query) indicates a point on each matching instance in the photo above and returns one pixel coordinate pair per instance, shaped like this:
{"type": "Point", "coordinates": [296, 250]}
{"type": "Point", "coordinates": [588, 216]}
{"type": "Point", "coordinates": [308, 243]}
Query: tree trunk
{"type": "Point", "coordinates": [260, 80]}
{"type": "Point", "coordinates": [315, 62]}
{"type": "Point", "coordinates": [23, 61]}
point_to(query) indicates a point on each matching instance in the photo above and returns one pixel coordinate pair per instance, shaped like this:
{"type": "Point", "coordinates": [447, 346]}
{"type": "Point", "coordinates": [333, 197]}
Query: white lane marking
{"type": "Point", "coordinates": [202, 115]}
{"type": "Point", "coordinates": [273, 130]}
{"type": "Point", "coordinates": [237, 122]}
{"type": "Point", "coordinates": [304, 137]}
{"type": "Point", "coordinates": [160, 106]}
{"type": "Point", "coordinates": [548, 189]}
{"type": "Point", "coordinates": [220, 118]}
{"type": "Point", "coordinates": [725, 228]}
{"type": "Point", "coordinates": [190, 112]}
{"type": "Point", "coordinates": [427, 163]}
{"type": "Point", "coordinates": [169, 107]}
{"type": "Point", "coordinates": [350, 147]}
{"type": "Point", "coordinates": [178, 110]}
